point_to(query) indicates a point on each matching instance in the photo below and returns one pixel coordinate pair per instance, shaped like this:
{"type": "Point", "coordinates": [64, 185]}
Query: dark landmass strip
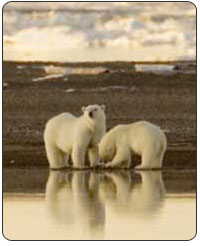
{"type": "Point", "coordinates": [168, 100]}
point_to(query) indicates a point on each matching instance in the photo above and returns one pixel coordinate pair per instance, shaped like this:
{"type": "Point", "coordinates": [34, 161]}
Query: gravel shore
{"type": "Point", "coordinates": [34, 92]}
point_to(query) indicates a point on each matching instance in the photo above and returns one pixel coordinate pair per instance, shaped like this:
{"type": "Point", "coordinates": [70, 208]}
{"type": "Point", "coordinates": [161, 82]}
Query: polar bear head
{"type": "Point", "coordinates": [106, 148]}
{"type": "Point", "coordinates": [94, 112]}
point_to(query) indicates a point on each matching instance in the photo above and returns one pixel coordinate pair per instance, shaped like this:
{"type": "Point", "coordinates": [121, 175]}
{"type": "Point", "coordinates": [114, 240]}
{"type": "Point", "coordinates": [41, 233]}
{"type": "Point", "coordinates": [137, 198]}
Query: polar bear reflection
{"type": "Point", "coordinates": [123, 192]}
{"type": "Point", "coordinates": [59, 197]}
{"type": "Point", "coordinates": [82, 197]}
{"type": "Point", "coordinates": [72, 197]}
{"type": "Point", "coordinates": [149, 197]}
{"type": "Point", "coordinates": [89, 208]}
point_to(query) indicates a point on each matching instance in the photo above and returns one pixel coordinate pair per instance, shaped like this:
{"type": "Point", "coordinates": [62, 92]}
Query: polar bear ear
{"type": "Point", "coordinates": [83, 109]}
{"type": "Point", "coordinates": [103, 107]}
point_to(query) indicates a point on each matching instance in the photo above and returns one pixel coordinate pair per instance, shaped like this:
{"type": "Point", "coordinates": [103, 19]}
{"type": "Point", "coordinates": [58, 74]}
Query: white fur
{"type": "Point", "coordinates": [67, 135]}
{"type": "Point", "coordinates": [142, 138]}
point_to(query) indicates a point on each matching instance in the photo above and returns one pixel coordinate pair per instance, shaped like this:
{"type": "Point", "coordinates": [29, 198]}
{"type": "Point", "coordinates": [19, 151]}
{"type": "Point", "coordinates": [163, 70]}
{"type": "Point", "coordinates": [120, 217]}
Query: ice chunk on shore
{"type": "Point", "coordinates": [53, 76]}
{"type": "Point", "coordinates": [102, 89]}
{"type": "Point", "coordinates": [70, 90]}
{"type": "Point", "coordinates": [5, 85]}
{"type": "Point", "coordinates": [54, 70]}
{"type": "Point", "coordinates": [154, 68]}
{"type": "Point", "coordinates": [76, 70]}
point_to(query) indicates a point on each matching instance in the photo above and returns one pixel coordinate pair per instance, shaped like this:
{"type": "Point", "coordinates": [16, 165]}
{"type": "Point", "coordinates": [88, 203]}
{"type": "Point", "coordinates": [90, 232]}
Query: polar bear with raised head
{"type": "Point", "coordinates": [66, 135]}
{"type": "Point", "coordinates": [142, 138]}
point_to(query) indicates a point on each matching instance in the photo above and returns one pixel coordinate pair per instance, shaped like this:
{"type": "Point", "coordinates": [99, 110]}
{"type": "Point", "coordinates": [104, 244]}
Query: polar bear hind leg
{"type": "Point", "coordinates": [159, 157]}
{"type": "Point", "coordinates": [55, 156]}
{"type": "Point", "coordinates": [152, 159]}
{"type": "Point", "coordinates": [148, 158]}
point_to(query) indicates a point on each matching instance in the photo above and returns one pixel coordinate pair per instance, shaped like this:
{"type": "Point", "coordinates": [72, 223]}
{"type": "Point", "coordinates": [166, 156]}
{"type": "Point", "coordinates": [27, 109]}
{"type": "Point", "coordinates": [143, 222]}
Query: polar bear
{"type": "Point", "coordinates": [142, 138]}
{"type": "Point", "coordinates": [66, 135]}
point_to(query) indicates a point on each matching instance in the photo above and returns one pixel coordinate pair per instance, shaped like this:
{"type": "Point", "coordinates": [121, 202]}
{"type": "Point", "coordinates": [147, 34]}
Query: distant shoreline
{"type": "Point", "coordinates": [104, 62]}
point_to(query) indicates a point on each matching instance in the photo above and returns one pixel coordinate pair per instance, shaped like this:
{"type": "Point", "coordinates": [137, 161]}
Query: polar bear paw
{"type": "Point", "coordinates": [142, 167]}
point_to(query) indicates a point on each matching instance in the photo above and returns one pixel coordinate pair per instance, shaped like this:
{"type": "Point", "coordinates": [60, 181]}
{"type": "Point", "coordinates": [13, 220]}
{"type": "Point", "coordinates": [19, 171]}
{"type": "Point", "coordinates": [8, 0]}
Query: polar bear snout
{"type": "Point", "coordinates": [106, 154]}
{"type": "Point", "coordinates": [90, 114]}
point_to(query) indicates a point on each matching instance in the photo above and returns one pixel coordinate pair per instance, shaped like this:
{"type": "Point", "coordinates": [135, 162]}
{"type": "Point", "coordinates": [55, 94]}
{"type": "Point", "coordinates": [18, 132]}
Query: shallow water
{"type": "Point", "coordinates": [100, 205]}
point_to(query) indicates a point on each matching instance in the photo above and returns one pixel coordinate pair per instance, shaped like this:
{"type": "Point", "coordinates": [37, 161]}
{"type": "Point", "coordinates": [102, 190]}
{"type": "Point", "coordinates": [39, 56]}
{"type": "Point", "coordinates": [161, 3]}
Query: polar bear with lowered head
{"type": "Point", "coordinates": [142, 138]}
{"type": "Point", "coordinates": [66, 135]}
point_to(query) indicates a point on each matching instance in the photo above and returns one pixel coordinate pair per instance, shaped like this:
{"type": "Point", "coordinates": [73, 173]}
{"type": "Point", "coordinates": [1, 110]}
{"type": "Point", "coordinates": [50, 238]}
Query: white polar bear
{"type": "Point", "coordinates": [66, 135]}
{"type": "Point", "coordinates": [142, 138]}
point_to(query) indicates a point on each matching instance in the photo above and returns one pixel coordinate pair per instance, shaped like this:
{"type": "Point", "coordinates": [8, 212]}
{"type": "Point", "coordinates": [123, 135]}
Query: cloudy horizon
{"type": "Point", "coordinates": [110, 31]}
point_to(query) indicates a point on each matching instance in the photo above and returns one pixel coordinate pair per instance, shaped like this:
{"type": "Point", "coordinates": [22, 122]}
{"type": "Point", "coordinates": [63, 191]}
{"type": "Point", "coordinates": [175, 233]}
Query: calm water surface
{"type": "Point", "coordinates": [101, 205]}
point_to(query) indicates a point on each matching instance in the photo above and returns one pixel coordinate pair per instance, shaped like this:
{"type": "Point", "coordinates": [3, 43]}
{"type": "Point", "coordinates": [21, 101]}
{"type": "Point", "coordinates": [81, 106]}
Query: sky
{"type": "Point", "coordinates": [99, 31]}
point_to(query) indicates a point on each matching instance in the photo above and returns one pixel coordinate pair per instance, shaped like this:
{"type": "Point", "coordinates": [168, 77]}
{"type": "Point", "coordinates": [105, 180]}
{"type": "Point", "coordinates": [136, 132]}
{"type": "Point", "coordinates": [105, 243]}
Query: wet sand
{"type": "Point", "coordinates": [168, 100]}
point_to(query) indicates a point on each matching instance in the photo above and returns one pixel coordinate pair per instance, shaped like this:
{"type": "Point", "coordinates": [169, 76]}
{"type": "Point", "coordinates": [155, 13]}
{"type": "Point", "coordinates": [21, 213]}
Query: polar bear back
{"type": "Point", "coordinates": [137, 135]}
{"type": "Point", "coordinates": [60, 131]}
{"type": "Point", "coordinates": [142, 134]}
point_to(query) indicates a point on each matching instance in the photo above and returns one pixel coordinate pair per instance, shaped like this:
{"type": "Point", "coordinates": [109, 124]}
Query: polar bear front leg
{"type": "Point", "coordinates": [66, 159]}
{"type": "Point", "coordinates": [78, 156]}
{"type": "Point", "coordinates": [93, 155]}
{"type": "Point", "coordinates": [121, 159]}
